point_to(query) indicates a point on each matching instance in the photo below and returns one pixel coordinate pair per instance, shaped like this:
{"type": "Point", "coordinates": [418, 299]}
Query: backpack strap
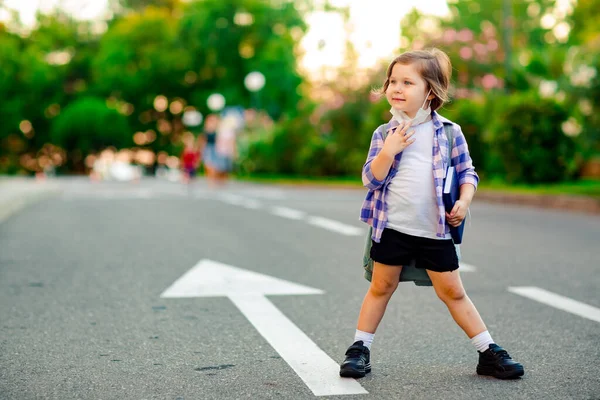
{"type": "Point", "coordinates": [448, 130]}
{"type": "Point", "coordinates": [386, 130]}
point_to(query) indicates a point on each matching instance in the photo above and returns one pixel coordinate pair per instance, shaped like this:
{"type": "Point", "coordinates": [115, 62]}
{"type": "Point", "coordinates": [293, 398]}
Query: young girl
{"type": "Point", "coordinates": [404, 174]}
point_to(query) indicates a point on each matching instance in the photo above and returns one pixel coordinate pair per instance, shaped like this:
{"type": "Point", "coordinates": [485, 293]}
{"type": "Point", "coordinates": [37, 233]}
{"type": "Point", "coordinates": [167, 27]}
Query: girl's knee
{"type": "Point", "coordinates": [382, 287]}
{"type": "Point", "coordinates": [451, 293]}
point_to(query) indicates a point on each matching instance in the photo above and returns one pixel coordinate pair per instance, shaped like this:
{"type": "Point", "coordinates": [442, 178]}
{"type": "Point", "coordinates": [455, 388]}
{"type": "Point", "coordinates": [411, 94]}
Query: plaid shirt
{"type": "Point", "coordinates": [374, 211]}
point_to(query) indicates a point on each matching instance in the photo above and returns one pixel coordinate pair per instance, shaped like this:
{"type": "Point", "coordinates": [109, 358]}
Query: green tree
{"type": "Point", "coordinates": [495, 43]}
{"type": "Point", "coordinates": [581, 77]}
{"type": "Point", "coordinates": [140, 58]}
{"type": "Point", "coordinates": [88, 125]}
{"type": "Point", "coordinates": [229, 39]}
{"type": "Point", "coordinates": [140, 5]}
{"type": "Point", "coordinates": [41, 73]}
{"type": "Point", "coordinates": [12, 106]}
{"type": "Point", "coordinates": [528, 139]}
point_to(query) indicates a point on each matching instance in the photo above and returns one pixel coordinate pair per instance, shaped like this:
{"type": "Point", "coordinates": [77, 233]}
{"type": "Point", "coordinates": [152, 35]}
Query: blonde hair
{"type": "Point", "coordinates": [434, 67]}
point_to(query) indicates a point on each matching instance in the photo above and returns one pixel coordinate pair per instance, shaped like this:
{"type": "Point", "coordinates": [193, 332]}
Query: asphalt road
{"type": "Point", "coordinates": [82, 317]}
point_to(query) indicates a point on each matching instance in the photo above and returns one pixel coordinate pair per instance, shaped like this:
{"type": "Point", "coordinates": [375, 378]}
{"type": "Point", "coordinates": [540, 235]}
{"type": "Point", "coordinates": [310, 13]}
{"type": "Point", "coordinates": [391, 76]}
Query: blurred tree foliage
{"type": "Point", "coordinates": [539, 51]}
{"type": "Point", "coordinates": [152, 59]}
{"type": "Point", "coordinates": [87, 126]}
{"type": "Point", "coordinates": [140, 5]}
{"type": "Point", "coordinates": [526, 140]}
{"type": "Point", "coordinates": [180, 52]}
{"type": "Point", "coordinates": [229, 39]}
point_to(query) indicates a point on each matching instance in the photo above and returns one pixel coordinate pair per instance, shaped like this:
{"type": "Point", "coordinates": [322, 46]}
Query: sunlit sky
{"type": "Point", "coordinates": [375, 23]}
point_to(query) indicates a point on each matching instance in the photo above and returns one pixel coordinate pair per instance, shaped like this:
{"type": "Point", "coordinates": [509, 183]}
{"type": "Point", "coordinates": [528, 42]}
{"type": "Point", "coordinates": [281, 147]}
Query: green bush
{"type": "Point", "coordinates": [346, 131]}
{"type": "Point", "coordinates": [585, 98]}
{"type": "Point", "coordinates": [275, 151]}
{"type": "Point", "coordinates": [256, 154]}
{"type": "Point", "coordinates": [471, 116]}
{"type": "Point", "coordinates": [318, 158]}
{"type": "Point", "coordinates": [88, 125]}
{"type": "Point", "coordinates": [526, 135]}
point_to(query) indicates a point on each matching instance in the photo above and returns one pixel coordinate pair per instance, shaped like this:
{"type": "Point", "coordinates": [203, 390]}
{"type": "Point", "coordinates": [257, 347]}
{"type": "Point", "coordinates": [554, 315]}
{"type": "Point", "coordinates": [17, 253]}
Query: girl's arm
{"type": "Point", "coordinates": [381, 165]}
{"type": "Point", "coordinates": [461, 159]}
{"type": "Point", "coordinates": [370, 181]}
{"type": "Point", "coordinates": [467, 191]}
{"type": "Point", "coordinates": [383, 152]}
{"type": "Point", "coordinates": [467, 178]}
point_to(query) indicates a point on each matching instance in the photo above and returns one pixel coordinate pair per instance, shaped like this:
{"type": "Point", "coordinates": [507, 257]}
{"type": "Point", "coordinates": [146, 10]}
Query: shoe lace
{"type": "Point", "coordinates": [502, 354]}
{"type": "Point", "coordinates": [354, 352]}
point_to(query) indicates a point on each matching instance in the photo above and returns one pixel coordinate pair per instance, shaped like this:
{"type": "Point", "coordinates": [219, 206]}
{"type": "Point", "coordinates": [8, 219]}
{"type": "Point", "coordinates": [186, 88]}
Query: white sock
{"type": "Point", "coordinates": [366, 337]}
{"type": "Point", "coordinates": [482, 341]}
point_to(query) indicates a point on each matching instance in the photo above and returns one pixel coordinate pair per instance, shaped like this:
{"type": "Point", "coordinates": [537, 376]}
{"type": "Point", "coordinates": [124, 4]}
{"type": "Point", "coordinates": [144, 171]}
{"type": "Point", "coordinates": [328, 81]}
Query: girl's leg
{"type": "Point", "coordinates": [493, 360]}
{"type": "Point", "coordinates": [383, 284]}
{"type": "Point", "coordinates": [450, 290]}
{"type": "Point", "coordinates": [210, 174]}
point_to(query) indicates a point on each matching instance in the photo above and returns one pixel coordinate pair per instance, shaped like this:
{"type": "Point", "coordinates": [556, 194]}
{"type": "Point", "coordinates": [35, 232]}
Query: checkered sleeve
{"type": "Point", "coordinates": [462, 160]}
{"type": "Point", "coordinates": [369, 180]}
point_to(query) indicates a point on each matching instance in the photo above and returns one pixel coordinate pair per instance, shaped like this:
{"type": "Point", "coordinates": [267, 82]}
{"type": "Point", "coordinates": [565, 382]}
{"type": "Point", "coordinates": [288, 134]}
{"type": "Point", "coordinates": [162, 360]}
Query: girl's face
{"type": "Point", "coordinates": [406, 90]}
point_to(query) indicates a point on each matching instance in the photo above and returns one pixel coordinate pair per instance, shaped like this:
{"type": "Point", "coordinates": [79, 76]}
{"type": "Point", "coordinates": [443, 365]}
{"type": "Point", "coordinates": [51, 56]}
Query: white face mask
{"type": "Point", "coordinates": [421, 116]}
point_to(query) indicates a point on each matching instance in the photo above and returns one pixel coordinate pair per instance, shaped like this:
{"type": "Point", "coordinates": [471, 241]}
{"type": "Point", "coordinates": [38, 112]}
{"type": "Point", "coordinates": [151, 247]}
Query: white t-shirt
{"type": "Point", "coordinates": [411, 200]}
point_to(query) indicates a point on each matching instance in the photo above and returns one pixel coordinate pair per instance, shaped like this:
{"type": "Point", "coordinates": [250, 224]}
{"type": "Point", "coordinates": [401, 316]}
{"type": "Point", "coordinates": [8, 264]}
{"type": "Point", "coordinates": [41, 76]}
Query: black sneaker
{"type": "Point", "coordinates": [496, 362]}
{"type": "Point", "coordinates": [358, 361]}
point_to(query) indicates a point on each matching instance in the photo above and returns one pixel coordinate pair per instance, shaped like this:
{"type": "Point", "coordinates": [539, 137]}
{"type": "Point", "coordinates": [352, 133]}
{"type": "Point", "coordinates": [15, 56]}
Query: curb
{"type": "Point", "coordinates": [19, 198]}
{"type": "Point", "coordinates": [583, 204]}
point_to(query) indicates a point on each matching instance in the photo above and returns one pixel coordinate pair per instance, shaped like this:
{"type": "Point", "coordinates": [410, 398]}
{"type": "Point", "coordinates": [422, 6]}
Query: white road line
{"type": "Point", "coordinates": [251, 204]}
{"type": "Point", "coordinates": [297, 215]}
{"type": "Point", "coordinates": [464, 267]}
{"type": "Point", "coordinates": [288, 213]}
{"type": "Point", "coordinates": [201, 195]}
{"type": "Point", "coordinates": [232, 199]}
{"type": "Point", "coordinates": [271, 194]}
{"type": "Point", "coordinates": [118, 195]}
{"type": "Point", "coordinates": [241, 201]}
{"type": "Point", "coordinates": [335, 226]}
{"type": "Point", "coordinates": [558, 301]}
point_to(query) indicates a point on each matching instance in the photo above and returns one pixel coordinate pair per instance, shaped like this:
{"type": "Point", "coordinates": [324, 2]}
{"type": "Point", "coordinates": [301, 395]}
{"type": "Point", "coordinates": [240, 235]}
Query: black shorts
{"type": "Point", "coordinates": [396, 248]}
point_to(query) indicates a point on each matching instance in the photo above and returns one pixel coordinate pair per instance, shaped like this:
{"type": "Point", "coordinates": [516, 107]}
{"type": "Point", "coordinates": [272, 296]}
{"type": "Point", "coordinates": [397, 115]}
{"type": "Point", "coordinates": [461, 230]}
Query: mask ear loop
{"type": "Point", "coordinates": [426, 98]}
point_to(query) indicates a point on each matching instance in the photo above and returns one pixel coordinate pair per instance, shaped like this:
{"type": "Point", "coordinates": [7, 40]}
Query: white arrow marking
{"type": "Point", "coordinates": [558, 301]}
{"type": "Point", "coordinates": [247, 290]}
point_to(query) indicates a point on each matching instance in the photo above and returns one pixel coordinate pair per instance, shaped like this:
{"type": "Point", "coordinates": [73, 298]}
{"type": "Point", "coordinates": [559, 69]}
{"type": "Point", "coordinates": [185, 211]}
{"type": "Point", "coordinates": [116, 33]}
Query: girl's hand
{"type": "Point", "coordinates": [398, 140]}
{"type": "Point", "coordinates": [458, 213]}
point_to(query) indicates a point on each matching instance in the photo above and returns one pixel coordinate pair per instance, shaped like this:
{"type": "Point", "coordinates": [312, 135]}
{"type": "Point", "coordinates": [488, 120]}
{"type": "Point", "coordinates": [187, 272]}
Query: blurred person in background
{"type": "Point", "coordinates": [225, 147]}
{"type": "Point", "coordinates": [190, 159]}
{"type": "Point", "coordinates": [210, 156]}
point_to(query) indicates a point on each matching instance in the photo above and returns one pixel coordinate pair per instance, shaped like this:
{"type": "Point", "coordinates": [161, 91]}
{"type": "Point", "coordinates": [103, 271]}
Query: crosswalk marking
{"type": "Point", "coordinates": [558, 301]}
